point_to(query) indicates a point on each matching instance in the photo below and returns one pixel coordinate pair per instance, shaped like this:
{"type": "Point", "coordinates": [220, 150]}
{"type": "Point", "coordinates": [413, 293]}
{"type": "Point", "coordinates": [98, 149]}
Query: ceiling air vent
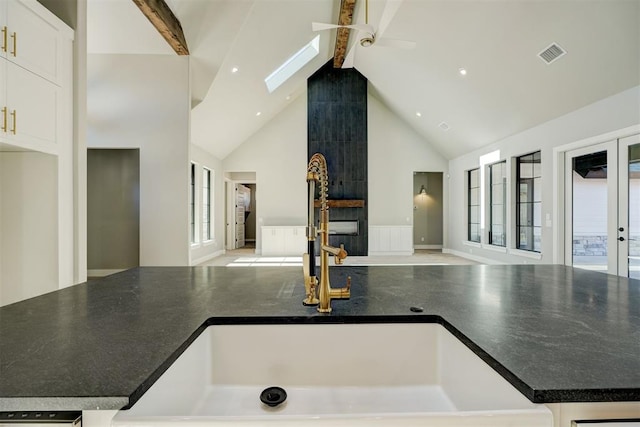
{"type": "Point", "coordinates": [551, 53]}
{"type": "Point", "coordinates": [444, 126]}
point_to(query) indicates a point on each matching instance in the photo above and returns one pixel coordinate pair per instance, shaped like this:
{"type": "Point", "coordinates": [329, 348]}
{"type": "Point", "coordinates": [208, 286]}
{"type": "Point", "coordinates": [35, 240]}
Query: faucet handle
{"type": "Point", "coordinates": [340, 255]}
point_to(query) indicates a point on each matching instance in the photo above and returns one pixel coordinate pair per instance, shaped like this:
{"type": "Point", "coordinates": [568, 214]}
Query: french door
{"type": "Point", "coordinates": [603, 207]}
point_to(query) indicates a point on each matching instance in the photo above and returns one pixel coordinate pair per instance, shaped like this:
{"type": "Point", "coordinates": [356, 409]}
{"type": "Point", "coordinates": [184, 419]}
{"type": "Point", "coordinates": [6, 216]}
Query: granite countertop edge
{"type": "Point", "coordinates": [268, 313]}
{"type": "Point", "coordinates": [74, 403]}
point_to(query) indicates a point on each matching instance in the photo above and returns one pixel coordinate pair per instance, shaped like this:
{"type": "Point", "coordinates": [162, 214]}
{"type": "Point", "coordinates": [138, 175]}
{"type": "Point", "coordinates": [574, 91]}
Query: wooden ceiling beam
{"type": "Point", "coordinates": [163, 19]}
{"type": "Point", "coordinates": [342, 38]}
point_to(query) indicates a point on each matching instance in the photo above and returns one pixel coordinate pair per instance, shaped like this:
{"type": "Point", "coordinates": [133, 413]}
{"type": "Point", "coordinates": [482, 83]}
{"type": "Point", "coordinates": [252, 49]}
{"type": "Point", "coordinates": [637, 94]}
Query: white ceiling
{"type": "Point", "coordinates": [507, 89]}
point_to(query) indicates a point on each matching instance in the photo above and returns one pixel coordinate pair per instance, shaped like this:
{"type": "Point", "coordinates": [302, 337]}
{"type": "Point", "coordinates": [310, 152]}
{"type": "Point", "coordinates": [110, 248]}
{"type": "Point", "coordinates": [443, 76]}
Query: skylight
{"type": "Point", "coordinates": [293, 64]}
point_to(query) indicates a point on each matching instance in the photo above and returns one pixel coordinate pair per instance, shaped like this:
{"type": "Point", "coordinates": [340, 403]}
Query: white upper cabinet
{"type": "Point", "coordinates": [35, 77]}
{"type": "Point", "coordinates": [32, 110]}
{"type": "Point", "coordinates": [31, 38]}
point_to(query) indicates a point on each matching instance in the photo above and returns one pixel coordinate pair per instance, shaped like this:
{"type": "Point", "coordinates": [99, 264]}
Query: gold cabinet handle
{"type": "Point", "coordinates": [4, 38]}
{"type": "Point", "coordinates": [4, 119]}
{"type": "Point", "coordinates": [14, 114]}
{"type": "Point", "coordinates": [14, 36]}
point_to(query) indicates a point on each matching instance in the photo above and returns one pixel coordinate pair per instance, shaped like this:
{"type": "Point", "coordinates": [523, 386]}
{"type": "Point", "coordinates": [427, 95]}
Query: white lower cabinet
{"type": "Point", "coordinates": [565, 414]}
{"type": "Point", "coordinates": [284, 240]}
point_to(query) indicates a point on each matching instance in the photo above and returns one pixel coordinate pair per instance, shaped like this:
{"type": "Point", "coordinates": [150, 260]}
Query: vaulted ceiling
{"type": "Point", "coordinates": [507, 88]}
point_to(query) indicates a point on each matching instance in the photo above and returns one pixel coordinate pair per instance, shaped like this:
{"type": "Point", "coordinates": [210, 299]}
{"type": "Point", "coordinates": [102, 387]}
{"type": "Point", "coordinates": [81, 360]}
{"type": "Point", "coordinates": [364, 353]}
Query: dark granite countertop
{"type": "Point", "coordinates": [557, 334]}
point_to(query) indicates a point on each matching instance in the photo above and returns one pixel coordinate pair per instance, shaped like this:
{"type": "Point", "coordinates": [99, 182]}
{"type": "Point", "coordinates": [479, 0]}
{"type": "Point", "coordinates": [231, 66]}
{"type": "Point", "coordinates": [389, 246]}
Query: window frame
{"type": "Point", "coordinates": [193, 234]}
{"type": "Point", "coordinates": [470, 188]}
{"type": "Point", "coordinates": [491, 234]}
{"type": "Point", "coordinates": [531, 202]}
{"type": "Point", "coordinates": [207, 205]}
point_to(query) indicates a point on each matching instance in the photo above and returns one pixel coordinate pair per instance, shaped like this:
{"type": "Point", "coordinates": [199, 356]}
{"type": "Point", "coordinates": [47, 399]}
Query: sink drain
{"type": "Point", "coordinates": [273, 396]}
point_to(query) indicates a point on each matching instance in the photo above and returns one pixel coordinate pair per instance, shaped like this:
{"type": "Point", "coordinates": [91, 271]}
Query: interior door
{"type": "Point", "coordinates": [603, 207]}
{"type": "Point", "coordinates": [240, 208]}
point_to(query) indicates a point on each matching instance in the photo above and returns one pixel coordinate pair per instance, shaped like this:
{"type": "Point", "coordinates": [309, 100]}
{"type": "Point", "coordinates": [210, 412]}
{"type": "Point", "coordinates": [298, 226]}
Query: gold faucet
{"type": "Point", "coordinates": [317, 172]}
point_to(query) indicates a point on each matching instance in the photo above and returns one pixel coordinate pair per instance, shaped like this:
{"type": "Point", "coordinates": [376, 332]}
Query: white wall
{"type": "Point", "coordinates": [278, 155]}
{"type": "Point", "coordinates": [395, 152]}
{"type": "Point", "coordinates": [608, 115]}
{"type": "Point", "coordinates": [28, 225]}
{"type": "Point", "coordinates": [202, 252]}
{"type": "Point", "coordinates": [142, 101]}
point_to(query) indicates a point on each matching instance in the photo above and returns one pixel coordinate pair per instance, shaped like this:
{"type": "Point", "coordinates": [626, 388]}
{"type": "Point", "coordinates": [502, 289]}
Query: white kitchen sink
{"type": "Point", "coordinates": [333, 374]}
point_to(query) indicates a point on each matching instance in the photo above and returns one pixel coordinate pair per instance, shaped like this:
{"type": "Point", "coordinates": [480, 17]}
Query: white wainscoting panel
{"type": "Point", "coordinates": [390, 240]}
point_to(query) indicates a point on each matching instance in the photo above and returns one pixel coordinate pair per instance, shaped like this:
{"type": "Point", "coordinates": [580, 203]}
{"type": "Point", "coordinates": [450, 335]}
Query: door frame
{"type": "Point", "coordinates": [611, 148]}
{"type": "Point", "coordinates": [559, 183]}
{"type": "Point", "coordinates": [229, 211]}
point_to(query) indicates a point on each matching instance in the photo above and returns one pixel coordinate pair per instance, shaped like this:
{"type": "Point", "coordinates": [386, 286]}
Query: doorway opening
{"type": "Point", "coordinates": [113, 210]}
{"type": "Point", "coordinates": [240, 212]}
{"type": "Point", "coordinates": [427, 210]}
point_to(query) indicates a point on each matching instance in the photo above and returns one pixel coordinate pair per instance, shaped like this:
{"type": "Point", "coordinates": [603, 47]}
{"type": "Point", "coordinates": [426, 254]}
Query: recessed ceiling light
{"type": "Point", "coordinates": [234, 70]}
{"type": "Point", "coordinates": [445, 127]}
{"type": "Point", "coordinates": [258, 113]}
{"type": "Point", "coordinates": [418, 113]}
{"type": "Point", "coordinates": [462, 71]}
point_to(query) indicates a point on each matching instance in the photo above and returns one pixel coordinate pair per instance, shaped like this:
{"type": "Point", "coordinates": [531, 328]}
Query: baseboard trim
{"type": "Point", "coordinates": [427, 246]}
{"type": "Point", "coordinates": [476, 258]}
{"type": "Point", "coordinates": [396, 253]}
{"type": "Point", "coordinates": [208, 257]}
{"type": "Point", "coordinates": [104, 272]}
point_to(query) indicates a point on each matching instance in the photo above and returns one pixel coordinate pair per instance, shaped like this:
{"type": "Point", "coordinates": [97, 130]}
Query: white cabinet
{"type": "Point", "coordinates": [30, 38]}
{"type": "Point", "coordinates": [35, 69]}
{"type": "Point", "coordinates": [32, 110]}
{"type": "Point", "coordinates": [36, 151]}
{"type": "Point", "coordinates": [284, 240]}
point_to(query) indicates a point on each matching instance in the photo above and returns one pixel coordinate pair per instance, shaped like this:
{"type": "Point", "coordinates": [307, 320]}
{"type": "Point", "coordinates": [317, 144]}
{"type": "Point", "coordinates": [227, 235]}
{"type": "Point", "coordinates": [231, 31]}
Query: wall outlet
{"type": "Point", "coordinates": [422, 239]}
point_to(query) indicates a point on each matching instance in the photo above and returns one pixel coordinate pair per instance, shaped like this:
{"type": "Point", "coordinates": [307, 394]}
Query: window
{"type": "Point", "coordinates": [293, 64]}
{"type": "Point", "coordinates": [473, 205]}
{"type": "Point", "coordinates": [206, 204]}
{"type": "Point", "coordinates": [192, 205]}
{"type": "Point", "coordinates": [498, 204]}
{"type": "Point", "coordinates": [529, 202]}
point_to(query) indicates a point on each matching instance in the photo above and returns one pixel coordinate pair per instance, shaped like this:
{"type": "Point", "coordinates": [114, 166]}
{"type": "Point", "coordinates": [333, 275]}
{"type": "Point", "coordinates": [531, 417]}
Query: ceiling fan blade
{"type": "Point", "coordinates": [390, 9]}
{"type": "Point", "coordinates": [319, 26]}
{"type": "Point", "coordinates": [398, 44]}
{"type": "Point", "coordinates": [350, 57]}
